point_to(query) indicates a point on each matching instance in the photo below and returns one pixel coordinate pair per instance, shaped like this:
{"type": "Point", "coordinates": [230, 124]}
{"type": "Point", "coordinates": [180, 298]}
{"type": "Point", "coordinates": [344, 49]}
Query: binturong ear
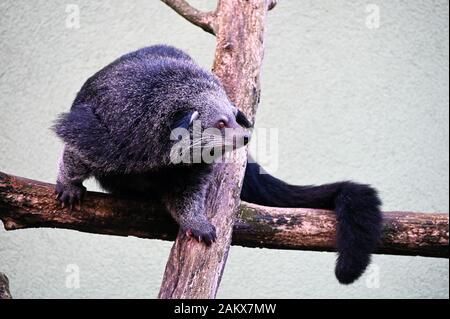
{"type": "Point", "coordinates": [242, 120]}
{"type": "Point", "coordinates": [183, 119]}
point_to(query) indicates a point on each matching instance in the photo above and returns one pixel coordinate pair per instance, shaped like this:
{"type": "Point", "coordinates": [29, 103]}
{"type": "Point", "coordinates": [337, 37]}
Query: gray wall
{"type": "Point", "coordinates": [350, 102]}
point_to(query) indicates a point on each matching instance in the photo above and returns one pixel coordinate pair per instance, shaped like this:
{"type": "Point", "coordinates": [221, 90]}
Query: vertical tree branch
{"type": "Point", "coordinates": [194, 270]}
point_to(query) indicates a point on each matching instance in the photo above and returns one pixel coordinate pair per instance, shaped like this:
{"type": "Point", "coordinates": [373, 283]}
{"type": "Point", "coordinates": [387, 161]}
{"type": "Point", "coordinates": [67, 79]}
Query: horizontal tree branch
{"type": "Point", "coordinates": [27, 203]}
{"type": "Point", "coordinates": [204, 20]}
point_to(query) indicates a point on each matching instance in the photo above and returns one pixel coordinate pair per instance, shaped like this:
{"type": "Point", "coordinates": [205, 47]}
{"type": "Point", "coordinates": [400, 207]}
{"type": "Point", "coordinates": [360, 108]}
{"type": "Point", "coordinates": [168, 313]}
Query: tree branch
{"type": "Point", "coordinates": [26, 203]}
{"type": "Point", "coordinates": [4, 287]}
{"type": "Point", "coordinates": [194, 270]}
{"type": "Point", "coordinates": [204, 20]}
{"type": "Point", "coordinates": [271, 4]}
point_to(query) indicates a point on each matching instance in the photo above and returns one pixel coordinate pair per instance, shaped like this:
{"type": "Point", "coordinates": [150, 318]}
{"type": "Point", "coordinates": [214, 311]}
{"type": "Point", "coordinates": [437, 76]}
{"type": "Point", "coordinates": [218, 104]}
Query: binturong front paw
{"type": "Point", "coordinates": [69, 194]}
{"type": "Point", "coordinates": [201, 231]}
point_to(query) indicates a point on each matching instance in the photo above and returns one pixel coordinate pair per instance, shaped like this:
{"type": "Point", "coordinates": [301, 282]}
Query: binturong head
{"type": "Point", "coordinates": [206, 133]}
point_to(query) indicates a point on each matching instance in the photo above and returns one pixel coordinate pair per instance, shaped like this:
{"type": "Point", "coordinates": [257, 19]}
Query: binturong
{"type": "Point", "coordinates": [153, 124]}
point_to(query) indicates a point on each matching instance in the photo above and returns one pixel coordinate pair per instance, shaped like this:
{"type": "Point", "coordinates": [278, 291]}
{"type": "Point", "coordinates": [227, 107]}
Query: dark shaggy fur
{"type": "Point", "coordinates": [357, 208]}
{"type": "Point", "coordinates": [119, 131]}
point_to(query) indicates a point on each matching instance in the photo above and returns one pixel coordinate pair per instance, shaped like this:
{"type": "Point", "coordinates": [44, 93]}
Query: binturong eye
{"type": "Point", "coordinates": [221, 124]}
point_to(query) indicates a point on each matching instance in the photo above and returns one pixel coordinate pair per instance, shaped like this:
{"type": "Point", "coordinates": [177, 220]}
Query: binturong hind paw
{"type": "Point", "coordinates": [204, 231]}
{"type": "Point", "coordinates": [69, 194]}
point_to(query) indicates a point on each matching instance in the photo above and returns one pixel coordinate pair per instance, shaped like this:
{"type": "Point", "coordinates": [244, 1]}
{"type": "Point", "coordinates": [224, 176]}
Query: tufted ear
{"type": "Point", "coordinates": [183, 119]}
{"type": "Point", "coordinates": [242, 120]}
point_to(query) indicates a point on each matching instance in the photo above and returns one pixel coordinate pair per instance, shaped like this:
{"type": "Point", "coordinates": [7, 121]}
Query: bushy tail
{"type": "Point", "coordinates": [82, 129]}
{"type": "Point", "coordinates": [357, 208]}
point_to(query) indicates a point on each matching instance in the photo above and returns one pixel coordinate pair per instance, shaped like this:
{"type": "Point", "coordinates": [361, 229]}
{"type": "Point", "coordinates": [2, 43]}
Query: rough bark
{"type": "Point", "coordinates": [4, 287]}
{"type": "Point", "coordinates": [194, 270]}
{"type": "Point", "coordinates": [26, 203]}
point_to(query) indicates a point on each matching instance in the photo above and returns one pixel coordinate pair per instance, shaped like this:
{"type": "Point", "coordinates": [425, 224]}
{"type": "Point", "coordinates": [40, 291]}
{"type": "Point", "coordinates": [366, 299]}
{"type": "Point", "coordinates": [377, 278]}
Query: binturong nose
{"type": "Point", "coordinates": [246, 138]}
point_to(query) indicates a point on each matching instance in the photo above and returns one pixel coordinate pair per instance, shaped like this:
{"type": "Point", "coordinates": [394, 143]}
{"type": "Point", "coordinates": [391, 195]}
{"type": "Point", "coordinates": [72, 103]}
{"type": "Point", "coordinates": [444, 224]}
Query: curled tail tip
{"type": "Point", "coordinates": [349, 268]}
{"type": "Point", "coordinates": [359, 230]}
{"type": "Point", "coordinates": [347, 275]}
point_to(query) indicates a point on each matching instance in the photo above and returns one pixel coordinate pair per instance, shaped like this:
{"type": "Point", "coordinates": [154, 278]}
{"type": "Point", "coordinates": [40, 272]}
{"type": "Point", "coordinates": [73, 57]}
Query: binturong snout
{"type": "Point", "coordinates": [246, 138]}
{"type": "Point", "coordinates": [239, 136]}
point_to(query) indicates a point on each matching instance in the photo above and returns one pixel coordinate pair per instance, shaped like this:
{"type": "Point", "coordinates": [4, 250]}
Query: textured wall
{"type": "Point", "coordinates": [350, 102]}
